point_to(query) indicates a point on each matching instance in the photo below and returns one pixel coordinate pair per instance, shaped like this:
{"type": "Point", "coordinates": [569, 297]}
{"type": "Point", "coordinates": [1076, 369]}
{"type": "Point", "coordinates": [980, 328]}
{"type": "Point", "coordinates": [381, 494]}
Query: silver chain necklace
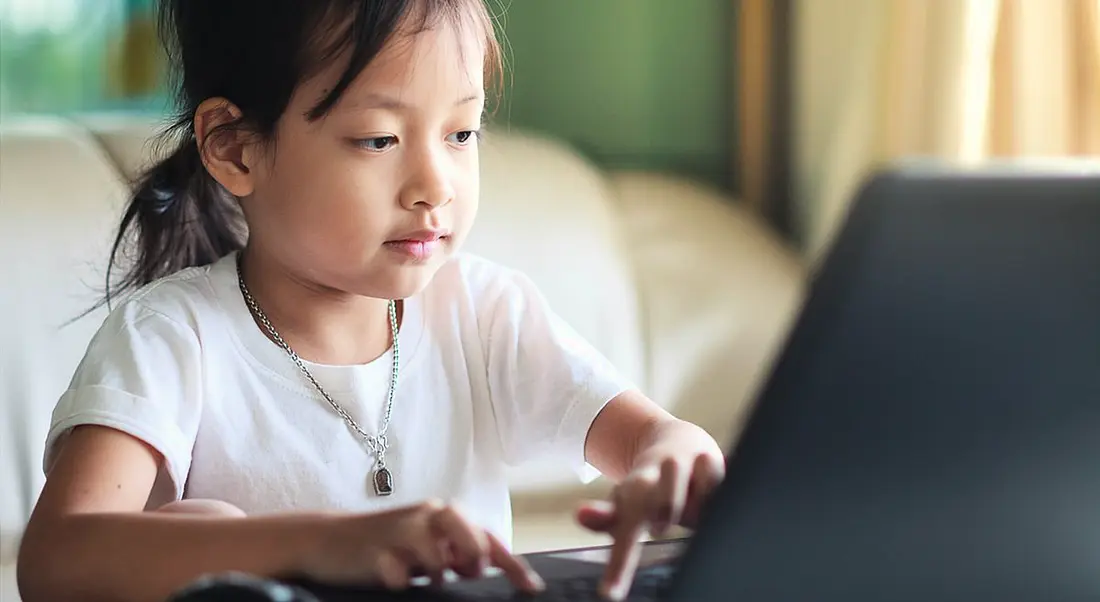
{"type": "Point", "coordinates": [383, 478]}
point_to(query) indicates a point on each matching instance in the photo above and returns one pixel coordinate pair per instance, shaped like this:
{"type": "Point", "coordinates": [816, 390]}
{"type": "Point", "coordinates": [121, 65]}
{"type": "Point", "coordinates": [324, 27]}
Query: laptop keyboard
{"type": "Point", "coordinates": [650, 585]}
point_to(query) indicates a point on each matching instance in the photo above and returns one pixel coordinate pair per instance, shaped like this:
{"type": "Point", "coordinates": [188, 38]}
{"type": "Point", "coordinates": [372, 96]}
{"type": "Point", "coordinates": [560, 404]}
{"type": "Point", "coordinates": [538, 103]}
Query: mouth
{"type": "Point", "coordinates": [419, 245]}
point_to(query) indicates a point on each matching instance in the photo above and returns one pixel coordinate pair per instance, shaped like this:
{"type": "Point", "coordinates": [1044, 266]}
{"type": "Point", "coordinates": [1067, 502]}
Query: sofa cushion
{"type": "Point", "coordinates": [58, 206]}
{"type": "Point", "coordinates": [719, 290]}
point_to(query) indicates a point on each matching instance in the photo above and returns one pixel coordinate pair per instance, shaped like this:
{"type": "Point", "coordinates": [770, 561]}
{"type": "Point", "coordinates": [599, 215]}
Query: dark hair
{"type": "Point", "coordinates": [254, 54]}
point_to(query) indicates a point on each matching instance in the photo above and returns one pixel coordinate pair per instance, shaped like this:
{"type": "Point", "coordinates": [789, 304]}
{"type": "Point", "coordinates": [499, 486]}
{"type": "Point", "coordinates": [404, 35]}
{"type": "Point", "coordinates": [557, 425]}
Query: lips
{"type": "Point", "coordinates": [419, 245]}
{"type": "Point", "coordinates": [422, 236]}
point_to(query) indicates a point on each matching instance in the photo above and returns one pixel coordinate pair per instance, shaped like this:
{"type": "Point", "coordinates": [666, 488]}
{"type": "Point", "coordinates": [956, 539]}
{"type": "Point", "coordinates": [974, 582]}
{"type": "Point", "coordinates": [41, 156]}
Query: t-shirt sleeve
{"type": "Point", "coordinates": [140, 375]}
{"type": "Point", "coordinates": [546, 383]}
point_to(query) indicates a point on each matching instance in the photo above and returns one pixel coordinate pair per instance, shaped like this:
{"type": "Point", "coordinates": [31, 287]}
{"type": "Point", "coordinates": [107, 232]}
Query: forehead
{"type": "Point", "coordinates": [419, 65]}
{"type": "Point", "coordinates": [447, 48]}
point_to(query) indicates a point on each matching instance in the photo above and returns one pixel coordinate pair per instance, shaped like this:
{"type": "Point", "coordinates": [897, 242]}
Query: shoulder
{"type": "Point", "coordinates": [473, 272]}
{"type": "Point", "coordinates": [174, 305]}
{"type": "Point", "coordinates": [484, 281]}
{"type": "Point", "coordinates": [503, 302]}
{"type": "Point", "coordinates": [179, 295]}
{"type": "Point", "coordinates": [474, 295]}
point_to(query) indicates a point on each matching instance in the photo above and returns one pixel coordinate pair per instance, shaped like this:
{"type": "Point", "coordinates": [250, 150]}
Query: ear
{"type": "Point", "coordinates": [227, 153]}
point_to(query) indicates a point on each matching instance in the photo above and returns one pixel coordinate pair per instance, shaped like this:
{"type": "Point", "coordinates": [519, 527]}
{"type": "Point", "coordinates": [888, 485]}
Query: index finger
{"type": "Point", "coordinates": [518, 572]}
{"type": "Point", "coordinates": [625, 555]}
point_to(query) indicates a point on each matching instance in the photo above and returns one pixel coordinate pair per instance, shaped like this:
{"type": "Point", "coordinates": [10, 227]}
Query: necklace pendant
{"type": "Point", "coordinates": [382, 477]}
{"type": "Point", "coordinates": [383, 481]}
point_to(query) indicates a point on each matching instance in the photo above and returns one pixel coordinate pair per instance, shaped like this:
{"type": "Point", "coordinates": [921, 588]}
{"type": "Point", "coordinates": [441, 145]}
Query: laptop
{"type": "Point", "coordinates": [931, 429]}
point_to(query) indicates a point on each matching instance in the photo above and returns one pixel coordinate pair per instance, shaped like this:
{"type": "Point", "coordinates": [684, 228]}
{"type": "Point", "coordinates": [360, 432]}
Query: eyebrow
{"type": "Point", "coordinates": [382, 101]}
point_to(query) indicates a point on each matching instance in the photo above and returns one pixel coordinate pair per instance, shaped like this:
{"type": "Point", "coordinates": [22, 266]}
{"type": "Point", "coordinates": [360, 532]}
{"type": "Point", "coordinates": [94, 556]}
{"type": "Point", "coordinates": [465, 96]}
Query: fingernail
{"type": "Point", "coordinates": [536, 581]}
{"type": "Point", "coordinates": [613, 591]}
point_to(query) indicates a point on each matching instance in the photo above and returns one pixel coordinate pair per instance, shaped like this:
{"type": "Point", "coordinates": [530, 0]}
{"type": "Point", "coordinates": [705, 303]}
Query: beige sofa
{"type": "Point", "coordinates": [678, 285]}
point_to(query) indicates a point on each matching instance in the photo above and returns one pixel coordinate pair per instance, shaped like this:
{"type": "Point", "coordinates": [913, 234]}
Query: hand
{"type": "Point", "coordinates": [390, 548]}
{"type": "Point", "coordinates": [655, 496]}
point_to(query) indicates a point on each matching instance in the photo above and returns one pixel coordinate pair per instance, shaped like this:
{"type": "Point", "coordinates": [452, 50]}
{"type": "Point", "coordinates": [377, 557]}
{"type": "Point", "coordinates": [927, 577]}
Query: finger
{"type": "Point", "coordinates": [515, 568]}
{"type": "Point", "coordinates": [465, 569]}
{"type": "Point", "coordinates": [597, 516]}
{"type": "Point", "coordinates": [706, 473]}
{"type": "Point", "coordinates": [716, 466]}
{"type": "Point", "coordinates": [625, 554]}
{"type": "Point", "coordinates": [468, 544]}
{"type": "Point", "coordinates": [392, 571]}
{"type": "Point", "coordinates": [669, 496]}
{"type": "Point", "coordinates": [428, 556]}
{"type": "Point", "coordinates": [420, 550]}
{"type": "Point", "coordinates": [627, 534]}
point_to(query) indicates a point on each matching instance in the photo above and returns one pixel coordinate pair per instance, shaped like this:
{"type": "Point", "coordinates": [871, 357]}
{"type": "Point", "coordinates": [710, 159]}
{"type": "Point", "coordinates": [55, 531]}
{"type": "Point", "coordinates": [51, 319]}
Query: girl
{"type": "Point", "coordinates": [306, 359]}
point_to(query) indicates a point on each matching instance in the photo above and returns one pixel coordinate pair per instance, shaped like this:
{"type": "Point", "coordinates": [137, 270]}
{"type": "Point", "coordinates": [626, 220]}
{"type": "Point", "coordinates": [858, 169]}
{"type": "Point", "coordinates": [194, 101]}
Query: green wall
{"type": "Point", "coordinates": [631, 83]}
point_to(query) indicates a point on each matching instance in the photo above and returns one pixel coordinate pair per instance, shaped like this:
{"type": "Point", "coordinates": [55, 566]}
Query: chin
{"type": "Point", "coordinates": [406, 281]}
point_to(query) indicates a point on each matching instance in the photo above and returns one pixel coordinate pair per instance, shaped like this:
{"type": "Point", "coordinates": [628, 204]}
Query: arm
{"type": "Point", "coordinates": [88, 538]}
{"type": "Point", "coordinates": [665, 469]}
{"type": "Point", "coordinates": [632, 432]}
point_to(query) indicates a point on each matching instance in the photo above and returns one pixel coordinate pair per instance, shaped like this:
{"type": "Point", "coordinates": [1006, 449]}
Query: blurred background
{"type": "Point", "coordinates": [603, 75]}
{"type": "Point", "coordinates": [668, 174]}
{"type": "Point", "coordinates": [784, 102]}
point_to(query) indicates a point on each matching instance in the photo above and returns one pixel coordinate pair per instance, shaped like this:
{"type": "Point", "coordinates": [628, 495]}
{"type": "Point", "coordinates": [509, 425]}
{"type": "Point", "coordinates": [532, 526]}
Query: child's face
{"type": "Point", "coordinates": [354, 200]}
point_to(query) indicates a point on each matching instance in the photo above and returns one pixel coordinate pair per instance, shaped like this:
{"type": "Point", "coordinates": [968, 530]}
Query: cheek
{"type": "Point", "coordinates": [468, 192]}
{"type": "Point", "coordinates": [324, 198]}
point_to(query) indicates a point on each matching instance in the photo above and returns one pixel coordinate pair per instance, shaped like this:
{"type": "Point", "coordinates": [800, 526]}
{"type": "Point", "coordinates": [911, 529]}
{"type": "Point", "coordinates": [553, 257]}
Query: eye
{"type": "Point", "coordinates": [465, 137]}
{"type": "Point", "coordinates": [378, 144]}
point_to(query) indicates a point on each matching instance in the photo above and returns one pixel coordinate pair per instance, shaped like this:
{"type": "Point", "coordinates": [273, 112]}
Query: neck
{"type": "Point", "coordinates": [321, 324]}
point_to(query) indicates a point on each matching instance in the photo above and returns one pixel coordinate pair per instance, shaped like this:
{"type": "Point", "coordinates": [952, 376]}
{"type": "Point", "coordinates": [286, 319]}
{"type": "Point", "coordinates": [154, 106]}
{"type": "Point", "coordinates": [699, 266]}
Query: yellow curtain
{"type": "Point", "coordinates": [753, 72]}
{"type": "Point", "coordinates": [134, 58]}
{"type": "Point", "coordinates": [878, 80]}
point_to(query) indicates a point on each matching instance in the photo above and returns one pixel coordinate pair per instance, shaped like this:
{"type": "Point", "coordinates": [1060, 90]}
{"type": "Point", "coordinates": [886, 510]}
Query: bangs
{"type": "Point", "coordinates": [360, 29]}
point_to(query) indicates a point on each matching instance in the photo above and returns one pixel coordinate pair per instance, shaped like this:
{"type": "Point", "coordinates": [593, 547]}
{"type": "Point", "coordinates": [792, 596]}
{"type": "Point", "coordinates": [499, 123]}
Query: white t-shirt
{"type": "Point", "coordinates": [489, 377]}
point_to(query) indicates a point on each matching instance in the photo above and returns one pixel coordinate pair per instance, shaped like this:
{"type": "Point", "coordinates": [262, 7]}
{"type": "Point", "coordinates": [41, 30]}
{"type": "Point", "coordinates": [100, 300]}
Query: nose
{"type": "Point", "coordinates": [430, 184]}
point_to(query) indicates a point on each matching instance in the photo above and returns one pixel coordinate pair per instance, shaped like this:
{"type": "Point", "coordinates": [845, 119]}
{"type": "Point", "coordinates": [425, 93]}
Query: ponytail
{"type": "Point", "coordinates": [178, 217]}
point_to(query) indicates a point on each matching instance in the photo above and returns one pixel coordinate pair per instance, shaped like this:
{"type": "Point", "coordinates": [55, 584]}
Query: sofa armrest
{"type": "Point", "coordinates": [9, 552]}
{"type": "Point", "coordinates": [718, 292]}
